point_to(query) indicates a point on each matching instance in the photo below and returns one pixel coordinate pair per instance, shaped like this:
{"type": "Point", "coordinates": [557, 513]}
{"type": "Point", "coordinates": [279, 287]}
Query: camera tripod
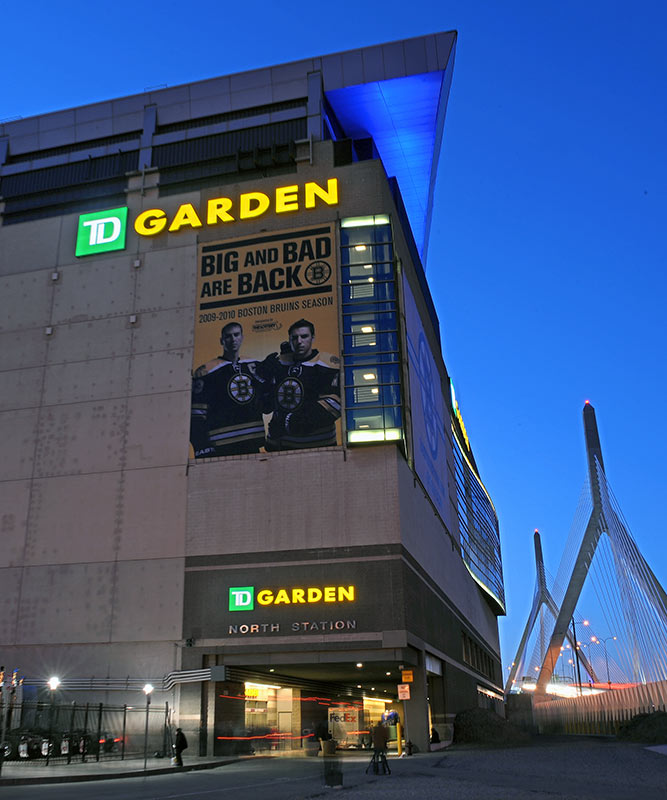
{"type": "Point", "coordinates": [378, 759]}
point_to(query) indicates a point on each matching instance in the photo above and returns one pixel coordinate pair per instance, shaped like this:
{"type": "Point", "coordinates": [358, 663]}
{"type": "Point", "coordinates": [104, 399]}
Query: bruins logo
{"type": "Point", "coordinates": [289, 394]}
{"type": "Point", "coordinates": [240, 388]}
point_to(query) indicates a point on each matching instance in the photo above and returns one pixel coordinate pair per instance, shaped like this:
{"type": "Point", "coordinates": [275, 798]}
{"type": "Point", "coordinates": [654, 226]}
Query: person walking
{"type": "Point", "coordinates": [380, 737]}
{"type": "Point", "coordinates": [180, 744]}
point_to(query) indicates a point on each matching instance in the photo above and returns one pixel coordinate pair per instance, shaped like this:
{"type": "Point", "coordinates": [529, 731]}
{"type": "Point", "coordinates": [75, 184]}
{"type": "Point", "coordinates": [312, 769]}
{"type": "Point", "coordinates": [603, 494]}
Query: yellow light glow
{"type": "Point", "coordinates": [375, 390]}
{"type": "Point", "coordinates": [253, 204]}
{"type": "Point", "coordinates": [185, 216]}
{"type": "Point", "coordinates": [361, 222]}
{"type": "Point", "coordinates": [360, 248]}
{"type": "Point", "coordinates": [287, 199]}
{"type": "Point", "coordinates": [262, 685]}
{"type": "Point", "coordinates": [312, 594]}
{"type": "Point", "coordinates": [369, 376]}
{"type": "Point", "coordinates": [367, 329]}
{"type": "Point", "coordinates": [150, 222]}
{"type": "Point", "coordinates": [328, 195]}
{"type": "Point", "coordinates": [374, 435]}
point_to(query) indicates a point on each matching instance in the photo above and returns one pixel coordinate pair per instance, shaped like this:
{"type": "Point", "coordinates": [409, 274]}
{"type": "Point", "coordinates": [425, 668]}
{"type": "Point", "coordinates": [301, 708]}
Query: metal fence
{"type": "Point", "coordinates": [602, 713]}
{"type": "Point", "coordinates": [66, 733]}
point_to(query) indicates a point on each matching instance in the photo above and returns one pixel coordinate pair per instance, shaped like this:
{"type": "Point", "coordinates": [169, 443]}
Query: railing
{"type": "Point", "coordinates": [80, 732]}
{"type": "Point", "coordinates": [602, 713]}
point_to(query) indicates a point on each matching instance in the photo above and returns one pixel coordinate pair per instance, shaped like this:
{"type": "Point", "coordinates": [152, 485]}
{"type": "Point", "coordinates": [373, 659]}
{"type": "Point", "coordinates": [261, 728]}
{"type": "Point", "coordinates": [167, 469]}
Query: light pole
{"type": "Point", "coordinates": [576, 651]}
{"type": "Point", "coordinates": [4, 708]}
{"type": "Point", "coordinates": [148, 688]}
{"type": "Point", "coordinates": [53, 683]}
{"type": "Point", "coordinates": [606, 658]}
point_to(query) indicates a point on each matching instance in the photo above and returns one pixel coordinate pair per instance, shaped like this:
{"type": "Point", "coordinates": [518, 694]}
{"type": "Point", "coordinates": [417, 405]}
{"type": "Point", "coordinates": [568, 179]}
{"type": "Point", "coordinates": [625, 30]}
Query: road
{"type": "Point", "coordinates": [552, 769]}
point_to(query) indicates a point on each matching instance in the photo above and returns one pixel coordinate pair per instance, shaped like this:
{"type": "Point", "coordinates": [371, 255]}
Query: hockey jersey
{"type": "Point", "coordinates": [226, 408]}
{"type": "Point", "coordinates": [305, 400]}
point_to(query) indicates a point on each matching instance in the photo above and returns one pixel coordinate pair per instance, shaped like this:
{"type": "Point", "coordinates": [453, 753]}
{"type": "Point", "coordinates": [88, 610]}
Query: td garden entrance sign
{"type": "Point", "coordinates": [251, 598]}
{"type": "Point", "coordinates": [242, 598]}
{"type": "Point", "coordinates": [266, 353]}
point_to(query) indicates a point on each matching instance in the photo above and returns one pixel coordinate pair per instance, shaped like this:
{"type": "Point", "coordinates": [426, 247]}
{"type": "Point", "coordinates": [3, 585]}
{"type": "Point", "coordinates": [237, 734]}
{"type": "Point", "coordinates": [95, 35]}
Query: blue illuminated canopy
{"type": "Point", "coordinates": [405, 118]}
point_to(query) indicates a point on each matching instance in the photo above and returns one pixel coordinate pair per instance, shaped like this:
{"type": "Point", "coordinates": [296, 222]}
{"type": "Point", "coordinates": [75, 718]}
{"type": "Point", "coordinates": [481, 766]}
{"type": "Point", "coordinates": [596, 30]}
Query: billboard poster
{"type": "Point", "coordinates": [266, 366]}
{"type": "Point", "coordinates": [428, 411]}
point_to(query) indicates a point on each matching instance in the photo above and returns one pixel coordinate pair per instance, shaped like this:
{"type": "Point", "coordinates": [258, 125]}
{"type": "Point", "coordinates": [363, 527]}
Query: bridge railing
{"type": "Point", "coordinates": [602, 713]}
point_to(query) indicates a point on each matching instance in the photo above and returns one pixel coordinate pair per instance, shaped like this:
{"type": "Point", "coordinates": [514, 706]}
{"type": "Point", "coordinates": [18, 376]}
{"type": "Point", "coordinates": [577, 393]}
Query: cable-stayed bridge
{"type": "Point", "coordinates": [601, 623]}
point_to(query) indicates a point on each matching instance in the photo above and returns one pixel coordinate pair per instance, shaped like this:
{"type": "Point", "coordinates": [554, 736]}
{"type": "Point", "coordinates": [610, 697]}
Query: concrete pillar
{"type": "Point", "coordinates": [436, 698]}
{"type": "Point", "coordinates": [416, 708]}
{"type": "Point", "coordinates": [229, 719]}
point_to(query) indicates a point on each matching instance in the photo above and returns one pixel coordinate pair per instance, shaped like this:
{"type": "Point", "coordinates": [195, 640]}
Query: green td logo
{"type": "Point", "coordinates": [101, 231]}
{"type": "Point", "coordinates": [241, 598]}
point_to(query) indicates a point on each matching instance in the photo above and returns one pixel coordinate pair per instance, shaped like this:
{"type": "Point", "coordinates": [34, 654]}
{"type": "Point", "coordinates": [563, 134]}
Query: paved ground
{"type": "Point", "coordinates": [567, 768]}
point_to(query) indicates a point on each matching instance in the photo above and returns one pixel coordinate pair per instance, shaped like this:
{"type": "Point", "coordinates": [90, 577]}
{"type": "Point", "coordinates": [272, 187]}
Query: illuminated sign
{"type": "Point", "coordinates": [315, 626]}
{"type": "Point", "coordinates": [407, 676]}
{"type": "Point", "coordinates": [101, 232]}
{"type": "Point", "coordinates": [249, 205]}
{"type": "Point", "coordinates": [242, 598]}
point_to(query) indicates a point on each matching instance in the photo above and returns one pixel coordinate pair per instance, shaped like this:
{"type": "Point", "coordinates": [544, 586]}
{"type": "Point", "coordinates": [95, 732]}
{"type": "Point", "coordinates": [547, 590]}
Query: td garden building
{"type": "Point", "coordinates": [233, 462]}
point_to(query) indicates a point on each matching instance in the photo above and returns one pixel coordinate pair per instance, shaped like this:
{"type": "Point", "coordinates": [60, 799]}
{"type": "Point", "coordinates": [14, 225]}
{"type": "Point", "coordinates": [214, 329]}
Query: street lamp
{"type": "Point", "coordinates": [576, 650]}
{"type": "Point", "coordinates": [53, 683]}
{"type": "Point", "coordinates": [148, 688]}
{"type": "Point", "coordinates": [606, 658]}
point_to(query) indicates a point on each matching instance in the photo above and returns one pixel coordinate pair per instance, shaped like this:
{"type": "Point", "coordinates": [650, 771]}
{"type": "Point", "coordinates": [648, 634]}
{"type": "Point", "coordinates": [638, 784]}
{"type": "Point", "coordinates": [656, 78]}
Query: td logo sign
{"type": "Point", "coordinates": [101, 232]}
{"type": "Point", "coordinates": [241, 598]}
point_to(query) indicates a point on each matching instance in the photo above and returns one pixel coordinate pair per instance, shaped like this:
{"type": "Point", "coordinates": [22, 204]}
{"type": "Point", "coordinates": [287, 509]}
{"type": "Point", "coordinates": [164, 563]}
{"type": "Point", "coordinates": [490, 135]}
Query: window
{"type": "Point", "coordinates": [478, 524]}
{"type": "Point", "coordinates": [370, 331]}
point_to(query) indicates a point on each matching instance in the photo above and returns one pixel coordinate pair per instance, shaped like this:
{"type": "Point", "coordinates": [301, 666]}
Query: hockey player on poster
{"type": "Point", "coordinates": [303, 385]}
{"type": "Point", "coordinates": [227, 401]}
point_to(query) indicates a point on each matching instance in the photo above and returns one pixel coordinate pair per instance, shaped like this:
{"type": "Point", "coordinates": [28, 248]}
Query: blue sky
{"type": "Point", "coordinates": [547, 255]}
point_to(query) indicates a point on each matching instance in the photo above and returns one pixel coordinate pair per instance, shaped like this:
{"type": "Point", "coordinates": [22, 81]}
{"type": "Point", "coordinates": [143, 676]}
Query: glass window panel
{"type": "Point", "coordinates": [382, 233]}
{"type": "Point", "coordinates": [362, 376]}
{"type": "Point", "coordinates": [362, 395]}
{"type": "Point", "coordinates": [384, 375]}
{"type": "Point", "coordinates": [369, 323]}
{"type": "Point", "coordinates": [393, 417]}
{"type": "Point", "coordinates": [368, 291]}
{"type": "Point", "coordinates": [370, 358]}
{"type": "Point", "coordinates": [354, 236]}
{"type": "Point", "coordinates": [366, 254]}
{"type": "Point", "coordinates": [380, 270]}
{"type": "Point", "coordinates": [389, 374]}
{"type": "Point", "coordinates": [368, 308]}
{"type": "Point", "coordinates": [390, 395]}
{"type": "Point", "coordinates": [365, 419]}
{"type": "Point", "coordinates": [381, 340]}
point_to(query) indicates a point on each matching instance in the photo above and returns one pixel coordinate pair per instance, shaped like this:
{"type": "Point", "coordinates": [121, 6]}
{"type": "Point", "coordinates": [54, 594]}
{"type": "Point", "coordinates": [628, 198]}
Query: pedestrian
{"type": "Point", "coordinates": [380, 737]}
{"type": "Point", "coordinates": [180, 744]}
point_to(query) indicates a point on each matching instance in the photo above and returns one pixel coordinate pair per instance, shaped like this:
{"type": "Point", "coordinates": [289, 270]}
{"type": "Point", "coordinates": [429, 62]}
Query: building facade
{"type": "Point", "coordinates": [234, 464]}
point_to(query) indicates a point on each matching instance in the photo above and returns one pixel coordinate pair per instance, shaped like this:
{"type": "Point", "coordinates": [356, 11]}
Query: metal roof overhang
{"type": "Point", "coordinates": [405, 117]}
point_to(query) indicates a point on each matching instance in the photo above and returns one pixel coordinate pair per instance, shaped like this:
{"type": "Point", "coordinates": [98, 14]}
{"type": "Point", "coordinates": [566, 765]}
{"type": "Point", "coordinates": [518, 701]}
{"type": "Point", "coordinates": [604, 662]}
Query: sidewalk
{"type": "Point", "coordinates": [15, 773]}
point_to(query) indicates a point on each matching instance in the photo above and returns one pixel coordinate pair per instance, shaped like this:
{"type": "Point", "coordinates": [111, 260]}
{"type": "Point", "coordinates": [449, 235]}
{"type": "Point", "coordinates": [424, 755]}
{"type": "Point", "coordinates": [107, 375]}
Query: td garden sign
{"type": "Point", "coordinates": [105, 231]}
{"type": "Point", "coordinates": [244, 598]}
